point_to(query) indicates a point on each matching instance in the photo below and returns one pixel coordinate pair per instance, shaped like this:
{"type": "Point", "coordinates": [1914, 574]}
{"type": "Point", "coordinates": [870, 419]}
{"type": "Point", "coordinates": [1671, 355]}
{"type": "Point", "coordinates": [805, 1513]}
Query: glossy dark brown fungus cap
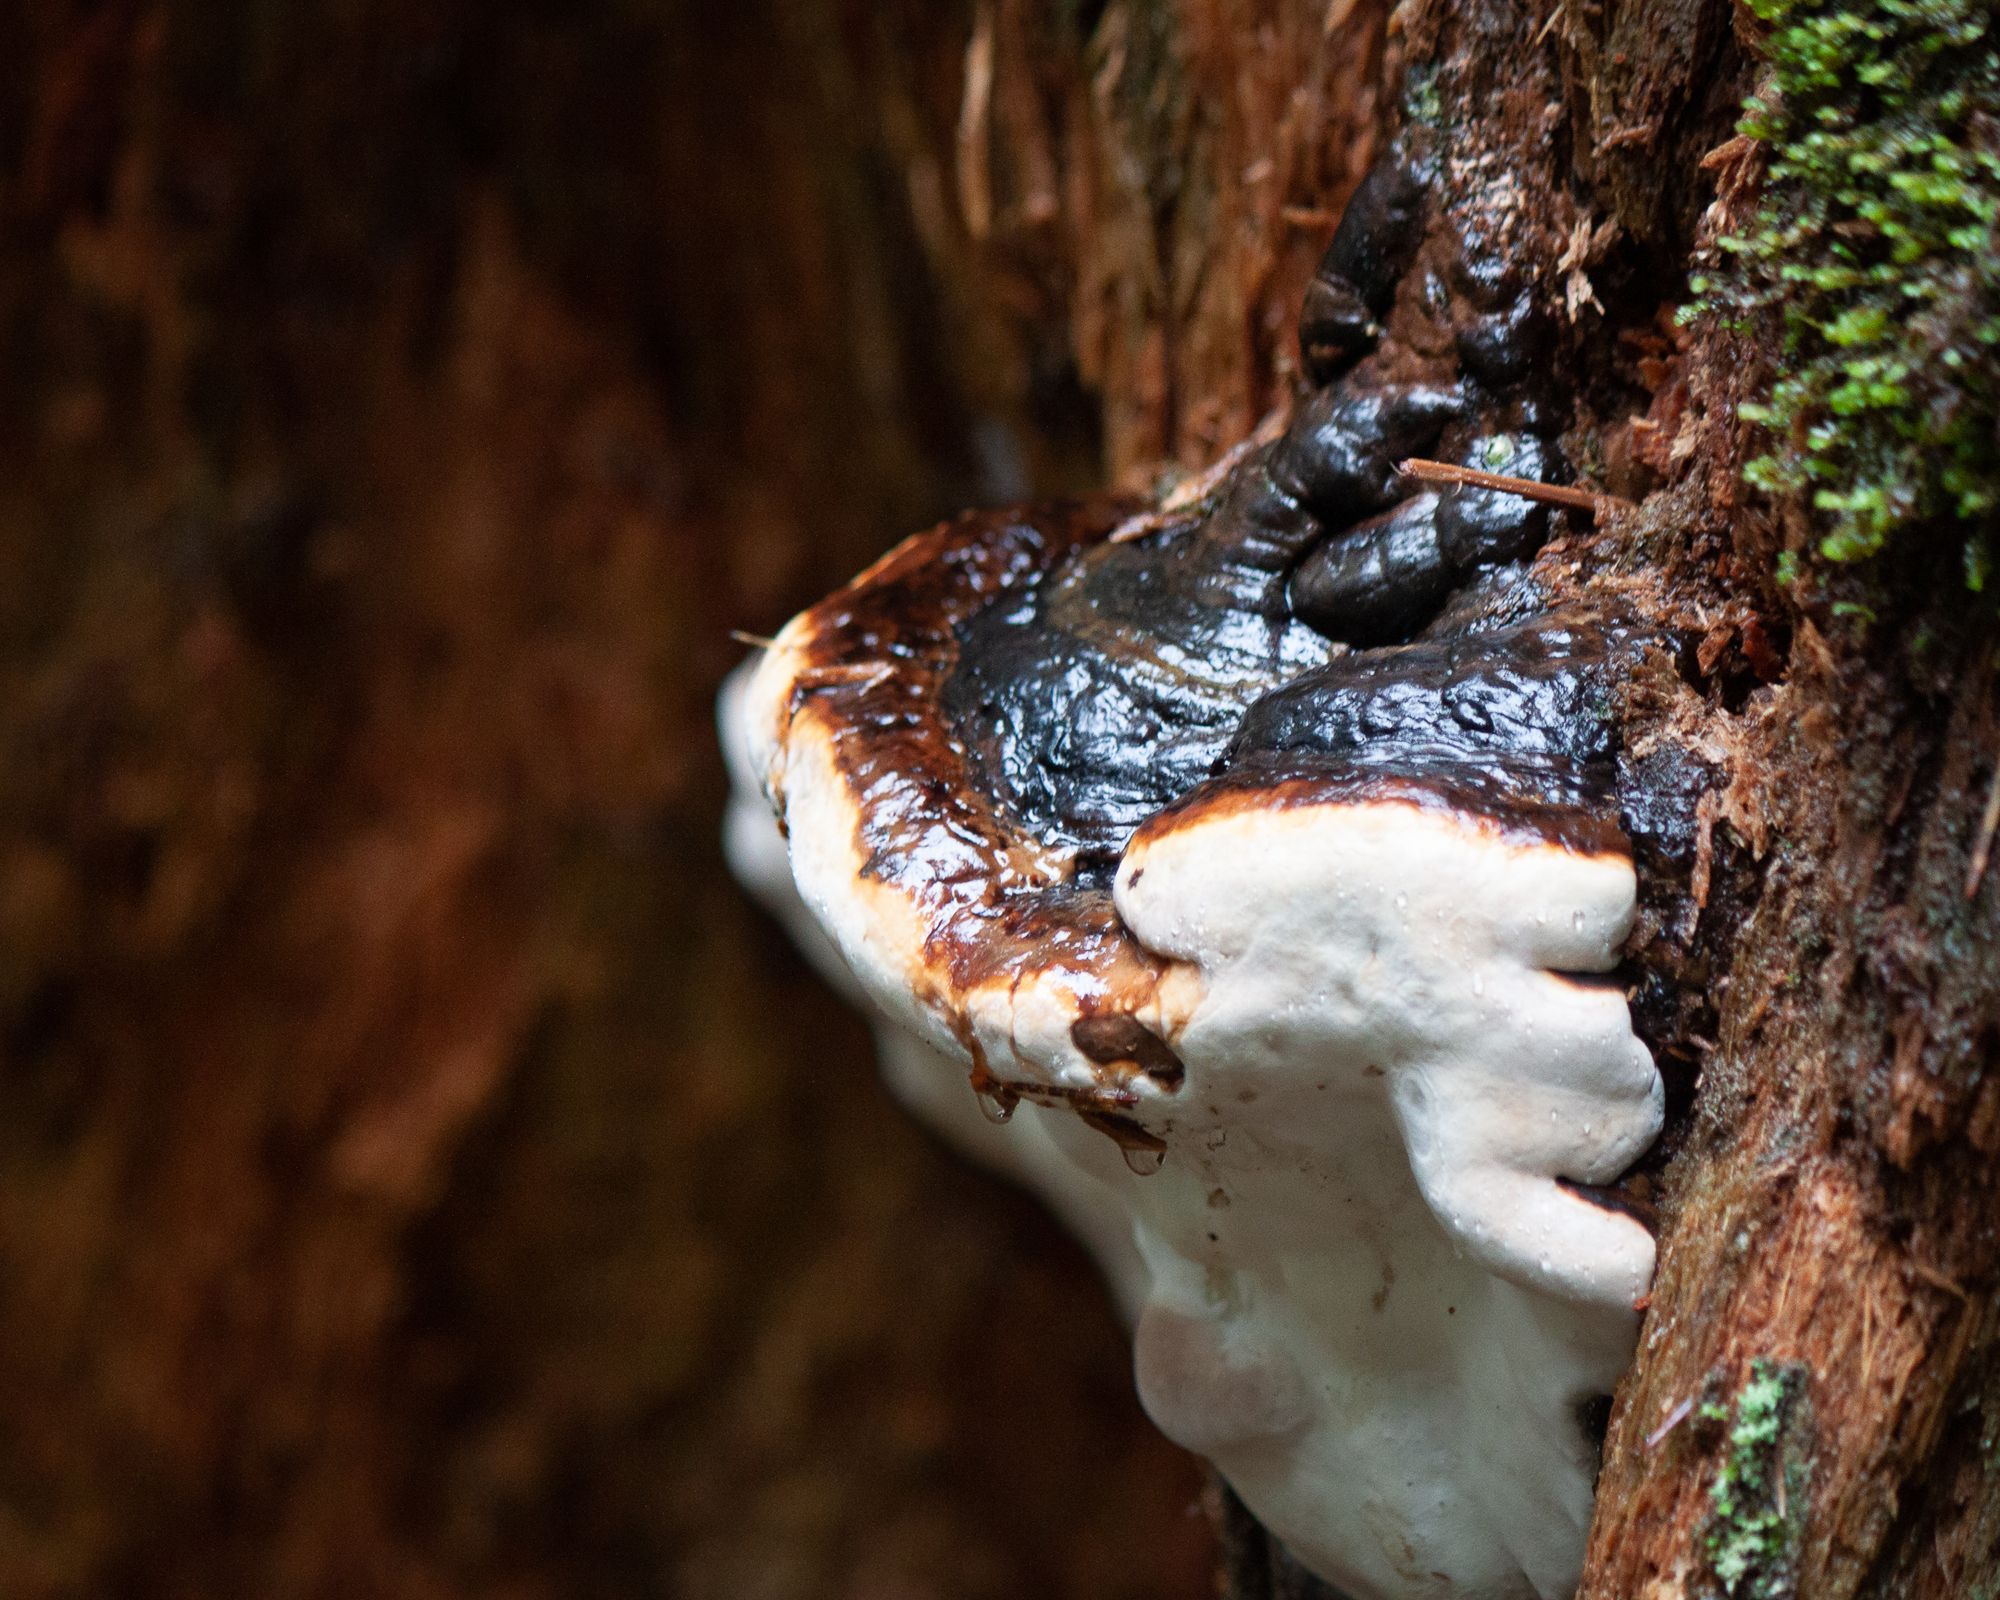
{"type": "Point", "coordinates": [1287, 840]}
{"type": "Point", "coordinates": [1006, 699]}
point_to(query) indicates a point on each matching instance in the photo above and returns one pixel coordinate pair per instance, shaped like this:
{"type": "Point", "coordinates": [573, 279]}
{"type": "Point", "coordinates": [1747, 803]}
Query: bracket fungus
{"type": "Point", "coordinates": [1273, 856]}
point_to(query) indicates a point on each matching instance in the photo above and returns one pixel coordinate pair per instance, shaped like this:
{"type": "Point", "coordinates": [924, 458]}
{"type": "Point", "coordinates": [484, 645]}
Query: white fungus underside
{"type": "Point", "coordinates": [930, 1082]}
{"type": "Point", "coordinates": [1358, 1289]}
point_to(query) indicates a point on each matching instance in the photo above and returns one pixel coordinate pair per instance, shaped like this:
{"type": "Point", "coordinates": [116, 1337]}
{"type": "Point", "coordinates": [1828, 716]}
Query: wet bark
{"type": "Point", "coordinates": [1828, 1248]}
{"type": "Point", "coordinates": [423, 1176]}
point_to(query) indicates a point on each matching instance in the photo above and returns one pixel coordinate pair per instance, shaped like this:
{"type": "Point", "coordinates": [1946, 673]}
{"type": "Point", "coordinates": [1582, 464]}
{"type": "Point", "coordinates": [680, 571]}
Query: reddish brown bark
{"type": "Point", "coordinates": [422, 1175]}
{"type": "Point", "coordinates": [1829, 1220]}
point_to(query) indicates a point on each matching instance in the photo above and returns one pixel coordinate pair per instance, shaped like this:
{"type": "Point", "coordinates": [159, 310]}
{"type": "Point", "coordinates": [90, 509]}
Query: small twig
{"type": "Point", "coordinates": [864, 674]}
{"type": "Point", "coordinates": [1673, 1420]}
{"type": "Point", "coordinates": [754, 639]}
{"type": "Point", "coordinates": [1555, 494]}
{"type": "Point", "coordinates": [1982, 848]}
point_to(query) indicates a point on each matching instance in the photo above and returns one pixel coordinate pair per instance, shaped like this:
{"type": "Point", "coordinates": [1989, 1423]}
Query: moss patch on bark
{"type": "Point", "coordinates": [1874, 245]}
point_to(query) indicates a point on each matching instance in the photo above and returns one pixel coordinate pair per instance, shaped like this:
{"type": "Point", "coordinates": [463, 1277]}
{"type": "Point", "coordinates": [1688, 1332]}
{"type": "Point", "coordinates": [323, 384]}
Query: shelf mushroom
{"type": "Point", "coordinates": [1345, 1031]}
{"type": "Point", "coordinates": [1268, 861]}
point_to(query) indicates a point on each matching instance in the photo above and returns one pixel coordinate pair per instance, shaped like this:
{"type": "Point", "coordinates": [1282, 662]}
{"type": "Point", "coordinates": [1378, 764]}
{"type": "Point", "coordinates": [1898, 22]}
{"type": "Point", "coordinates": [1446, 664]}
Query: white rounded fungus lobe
{"type": "Point", "coordinates": [1365, 1034]}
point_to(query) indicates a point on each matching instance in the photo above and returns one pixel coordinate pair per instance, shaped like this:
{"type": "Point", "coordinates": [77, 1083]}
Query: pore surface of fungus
{"type": "Point", "coordinates": [1270, 854]}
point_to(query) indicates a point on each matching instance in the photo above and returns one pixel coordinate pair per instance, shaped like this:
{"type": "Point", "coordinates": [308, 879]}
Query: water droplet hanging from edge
{"type": "Point", "coordinates": [1143, 1160]}
{"type": "Point", "coordinates": [996, 1105]}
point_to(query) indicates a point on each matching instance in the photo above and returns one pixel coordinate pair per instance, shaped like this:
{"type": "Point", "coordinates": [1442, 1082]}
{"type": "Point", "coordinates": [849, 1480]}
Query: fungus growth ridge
{"type": "Point", "coordinates": [1290, 845]}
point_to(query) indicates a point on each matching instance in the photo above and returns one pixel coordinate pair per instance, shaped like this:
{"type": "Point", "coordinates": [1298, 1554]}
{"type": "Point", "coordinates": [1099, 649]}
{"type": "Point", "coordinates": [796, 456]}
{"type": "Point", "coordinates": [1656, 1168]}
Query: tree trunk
{"type": "Point", "coordinates": [424, 1175]}
{"type": "Point", "coordinates": [1828, 1251]}
{"type": "Point", "coordinates": [415, 1184]}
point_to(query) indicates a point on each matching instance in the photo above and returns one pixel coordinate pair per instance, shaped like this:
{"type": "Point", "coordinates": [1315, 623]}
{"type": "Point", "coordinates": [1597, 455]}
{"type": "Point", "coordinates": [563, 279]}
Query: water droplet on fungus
{"type": "Point", "coordinates": [996, 1105]}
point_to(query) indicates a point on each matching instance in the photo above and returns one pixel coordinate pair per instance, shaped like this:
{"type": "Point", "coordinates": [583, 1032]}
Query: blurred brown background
{"type": "Point", "coordinates": [423, 1174]}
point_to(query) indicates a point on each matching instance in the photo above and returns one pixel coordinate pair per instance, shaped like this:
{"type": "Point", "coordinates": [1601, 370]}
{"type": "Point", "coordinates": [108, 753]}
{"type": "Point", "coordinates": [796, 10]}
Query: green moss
{"type": "Point", "coordinates": [1875, 244]}
{"type": "Point", "coordinates": [1757, 1501]}
{"type": "Point", "coordinates": [1422, 101]}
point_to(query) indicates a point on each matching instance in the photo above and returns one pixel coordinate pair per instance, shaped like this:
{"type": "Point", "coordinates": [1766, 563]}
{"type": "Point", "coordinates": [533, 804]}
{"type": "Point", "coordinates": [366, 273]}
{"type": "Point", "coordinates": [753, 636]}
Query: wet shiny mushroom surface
{"type": "Point", "coordinates": [1283, 840]}
{"type": "Point", "coordinates": [1117, 680]}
